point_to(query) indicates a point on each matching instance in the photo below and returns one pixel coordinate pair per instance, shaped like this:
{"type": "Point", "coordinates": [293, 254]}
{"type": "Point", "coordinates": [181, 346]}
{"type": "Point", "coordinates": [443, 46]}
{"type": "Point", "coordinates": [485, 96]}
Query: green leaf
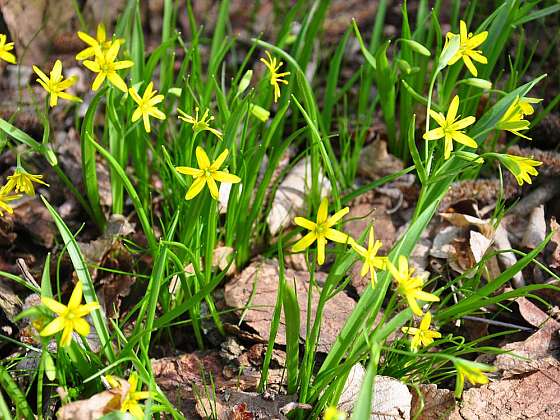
{"type": "Point", "coordinates": [80, 267]}
{"type": "Point", "coordinates": [291, 314]}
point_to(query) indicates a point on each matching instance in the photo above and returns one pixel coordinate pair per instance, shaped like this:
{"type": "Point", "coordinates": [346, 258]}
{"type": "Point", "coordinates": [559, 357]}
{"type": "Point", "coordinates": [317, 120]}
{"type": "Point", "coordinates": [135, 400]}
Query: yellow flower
{"type": "Point", "coordinates": [147, 105]}
{"type": "Point", "coordinates": [100, 41]}
{"type": "Point", "coordinates": [513, 121]}
{"type": "Point", "coordinates": [473, 371]}
{"type": "Point", "coordinates": [273, 66]}
{"type": "Point", "coordinates": [321, 230]}
{"type": "Point", "coordinates": [22, 181]}
{"type": "Point", "coordinates": [201, 124]}
{"type": "Point", "coordinates": [371, 260]}
{"type": "Point", "coordinates": [5, 49]}
{"type": "Point", "coordinates": [332, 413]}
{"type": "Point", "coordinates": [106, 66]}
{"type": "Point", "coordinates": [207, 173]}
{"type": "Point", "coordinates": [55, 85]}
{"type": "Point", "coordinates": [5, 198]}
{"type": "Point", "coordinates": [410, 287]}
{"type": "Point", "coordinates": [467, 50]}
{"type": "Point", "coordinates": [451, 128]}
{"type": "Point", "coordinates": [132, 397]}
{"type": "Point", "coordinates": [525, 104]}
{"type": "Point", "coordinates": [70, 318]}
{"type": "Point", "coordinates": [521, 167]}
{"type": "Point", "coordinates": [422, 336]}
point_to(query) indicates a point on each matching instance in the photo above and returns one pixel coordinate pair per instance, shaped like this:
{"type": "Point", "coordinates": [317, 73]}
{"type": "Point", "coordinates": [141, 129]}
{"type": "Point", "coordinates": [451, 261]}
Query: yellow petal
{"type": "Point", "coordinates": [452, 111]}
{"type": "Point", "coordinates": [470, 65]}
{"type": "Point", "coordinates": [323, 212]}
{"type": "Point", "coordinates": [146, 119]}
{"type": "Point", "coordinates": [195, 188]}
{"type": "Point", "coordinates": [86, 309]}
{"type": "Point", "coordinates": [187, 170]}
{"type": "Point", "coordinates": [220, 160]}
{"type": "Point", "coordinates": [413, 305]}
{"type": "Point", "coordinates": [464, 139]}
{"type": "Point", "coordinates": [426, 297]}
{"type": "Point", "coordinates": [435, 134]}
{"type": "Point", "coordinates": [331, 221]}
{"type": "Point", "coordinates": [426, 321]}
{"type": "Point", "coordinates": [202, 158]}
{"type": "Point", "coordinates": [98, 81]}
{"type": "Point", "coordinates": [321, 244]}
{"type": "Point", "coordinates": [87, 38]}
{"type": "Point", "coordinates": [304, 242]}
{"type": "Point", "coordinates": [303, 222]}
{"type": "Point", "coordinates": [463, 123]}
{"type": "Point", "coordinates": [53, 305]}
{"type": "Point", "coordinates": [92, 65]}
{"type": "Point", "coordinates": [336, 236]}
{"type": "Point", "coordinates": [81, 326]}
{"type": "Point", "coordinates": [66, 338]}
{"type": "Point", "coordinates": [226, 177]}
{"type": "Point", "coordinates": [76, 297]}
{"type": "Point", "coordinates": [214, 192]}
{"type": "Point", "coordinates": [124, 64]}
{"type": "Point", "coordinates": [53, 327]}
{"type": "Point", "coordinates": [134, 95]}
{"type": "Point", "coordinates": [117, 81]}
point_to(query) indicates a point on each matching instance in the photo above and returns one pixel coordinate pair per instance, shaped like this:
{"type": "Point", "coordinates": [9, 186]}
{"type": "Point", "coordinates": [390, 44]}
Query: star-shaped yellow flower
{"type": "Point", "coordinates": [100, 41]}
{"type": "Point", "coordinates": [22, 181]}
{"type": "Point", "coordinates": [70, 318]}
{"type": "Point", "coordinates": [422, 336]}
{"type": "Point", "coordinates": [201, 124]}
{"type": "Point", "coordinates": [207, 173]}
{"type": "Point", "coordinates": [526, 105]}
{"type": "Point", "coordinates": [521, 167]}
{"type": "Point", "coordinates": [371, 260]}
{"type": "Point", "coordinates": [513, 121]}
{"type": "Point", "coordinates": [450, 128]}
{"type": "Point", "coordinates": [273, 66]}
{"type": "Point", "coordinates": [55, 84]}
{"type": "Point", "coordinates": [5, 49]}
{"type": "Point", "coordinates": [472, 371]}
{"type": "Point", "coordinates": [106, 66]}
{"type": "Point", "coordinates": [147, 105]}
{"type": "Point", "coordinates": [132, 397]}
{"type": "Point", "coordinates": [332, 413]}
{"type": "Point", "coordinates": [321, 230]}
{"type": "Point", "coordinates": [5, 198]}
{"type": "Point", "coordinates": [467, 50]}
{"type": "Point", "coordinates": [410, 287]}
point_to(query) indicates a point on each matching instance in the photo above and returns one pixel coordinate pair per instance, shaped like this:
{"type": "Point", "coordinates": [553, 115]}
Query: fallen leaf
{"type": "Point", "coordinates": [258, 285]}
{"type": "Point", "coordinates": [376, 162]}
{"type": "Point", "coordinates": [238, 405]}
{"type": "Point", "coordinates": [289, 200]}
{"type": "Point", "coordinates": [534, 396]}
{"type": "Point", "coordinates": [34, 23]}
{"type": "Point", "coordinates": [391, 398]}
{"type": "Point", "coordinates": [526, 356]}
{"type": "Point", "coordinates": [94, 407]}
{"type": "Point", "coordinates": [536, 229]}
{"type": "Point", "coordinates": [32, 217]}
{"type": "Point", "coordinates": [507, 259]}
{"type": "Point", "coordinates": [433, 403]}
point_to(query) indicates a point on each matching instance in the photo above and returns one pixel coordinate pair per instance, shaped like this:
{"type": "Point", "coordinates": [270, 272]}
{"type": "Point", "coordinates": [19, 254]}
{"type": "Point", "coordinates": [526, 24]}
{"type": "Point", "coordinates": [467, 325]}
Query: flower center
{"type": "Point", "coordinates": [208, 173]}
{"type": "Point", "coordinates": [106, 68]}
{"type": "Point", "coordinates": [321, 229]}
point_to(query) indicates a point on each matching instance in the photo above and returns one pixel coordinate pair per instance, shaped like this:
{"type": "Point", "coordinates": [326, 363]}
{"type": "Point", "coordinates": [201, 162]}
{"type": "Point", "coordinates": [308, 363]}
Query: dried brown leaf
{"type": "Point", "coordinates": [257, 285]}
